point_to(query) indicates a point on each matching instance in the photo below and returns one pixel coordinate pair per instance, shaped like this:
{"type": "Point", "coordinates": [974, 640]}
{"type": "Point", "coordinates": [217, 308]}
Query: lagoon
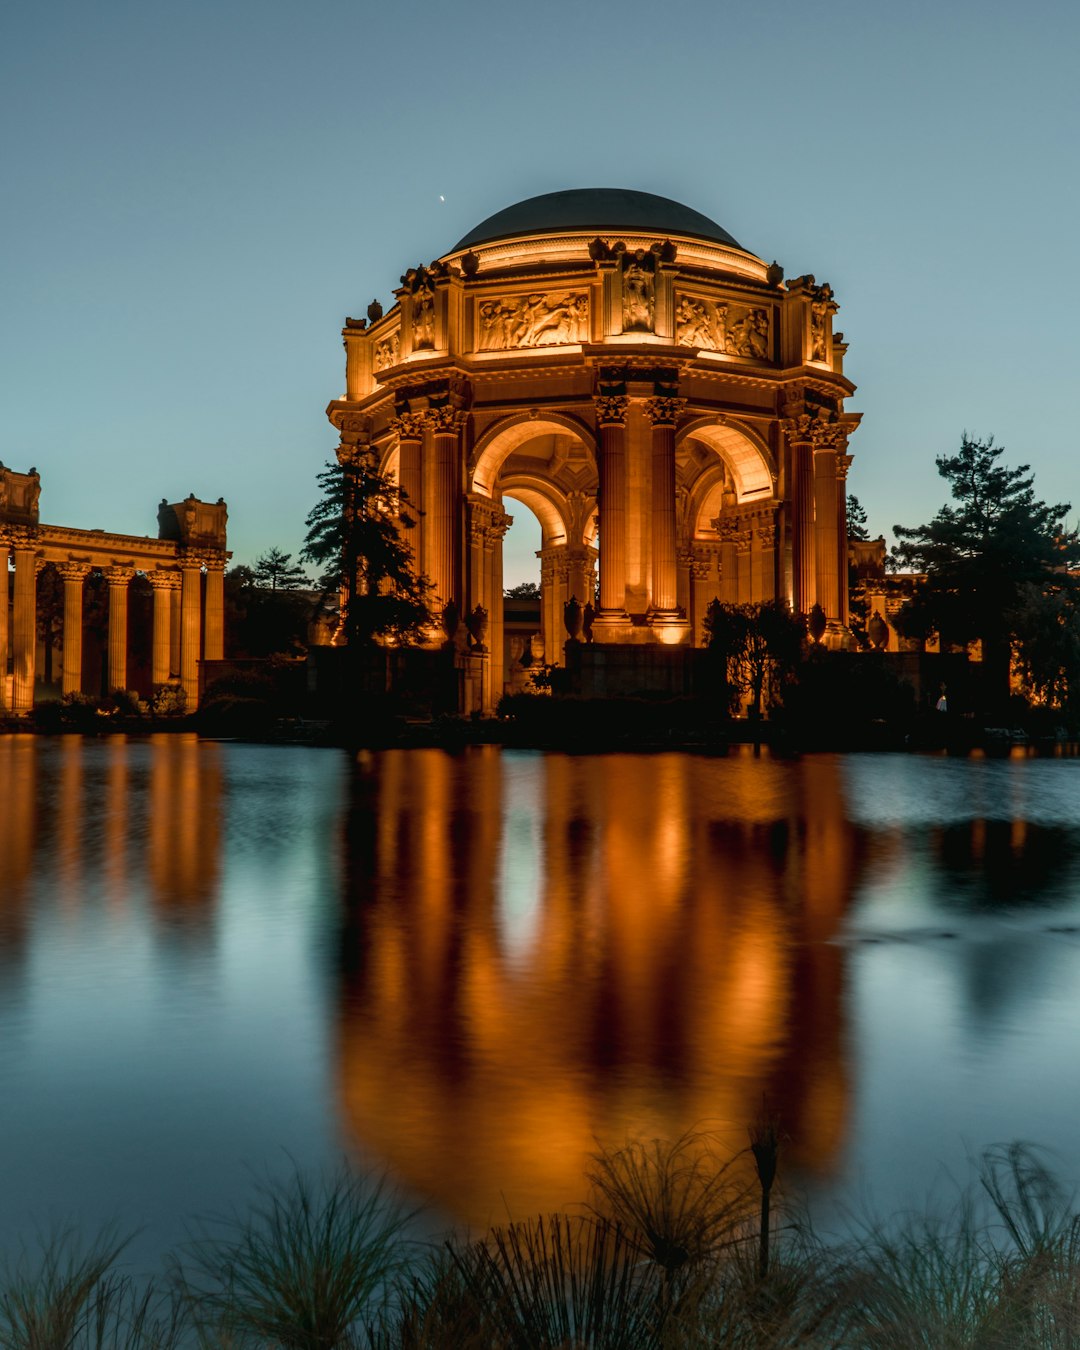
{"type": "Point", "coordinates": [472, 969]}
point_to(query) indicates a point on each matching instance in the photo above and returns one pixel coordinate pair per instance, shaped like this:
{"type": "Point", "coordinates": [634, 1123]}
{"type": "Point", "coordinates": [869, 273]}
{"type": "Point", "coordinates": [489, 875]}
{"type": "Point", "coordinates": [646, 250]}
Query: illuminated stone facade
{"type": "Point", "coordinates": [666, 404]}
{"type": "Point", "coordinates": [184, 567]}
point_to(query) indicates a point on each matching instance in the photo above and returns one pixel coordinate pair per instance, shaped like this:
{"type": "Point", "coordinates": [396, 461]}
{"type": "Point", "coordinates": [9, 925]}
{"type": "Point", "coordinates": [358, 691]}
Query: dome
{"type": "Point", "coordinates": [596, 210]}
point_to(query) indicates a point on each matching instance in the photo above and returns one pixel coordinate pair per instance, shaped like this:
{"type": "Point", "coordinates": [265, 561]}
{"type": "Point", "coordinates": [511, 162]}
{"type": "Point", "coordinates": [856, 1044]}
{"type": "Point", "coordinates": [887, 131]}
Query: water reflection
{"type": "Point", "coordinates": [546, 951]}
{"type": "Point", "coordinates": [472, 968]}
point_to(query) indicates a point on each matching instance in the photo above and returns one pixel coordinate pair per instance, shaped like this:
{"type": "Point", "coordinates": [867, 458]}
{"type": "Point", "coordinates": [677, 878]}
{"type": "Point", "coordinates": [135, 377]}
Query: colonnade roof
{"type": "Point", "coordinates": [606, 210]}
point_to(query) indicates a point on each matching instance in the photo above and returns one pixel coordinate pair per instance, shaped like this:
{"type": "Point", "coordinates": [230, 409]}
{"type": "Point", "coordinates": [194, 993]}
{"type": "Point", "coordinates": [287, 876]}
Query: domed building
{"type": "Point", "coordinates": [666, 404]}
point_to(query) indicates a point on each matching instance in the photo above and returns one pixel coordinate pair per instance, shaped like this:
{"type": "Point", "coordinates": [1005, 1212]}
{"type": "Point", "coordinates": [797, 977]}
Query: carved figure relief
{"type": "Point", "coordinates": [386, 352]}
{"type": "Point", "coordinates": [712, 325]}
{"type": "Point", "coordinates": [639, 291]}
{"type": "Point", "coordinates": [548, 320]}
{"type": "Point", "coordinates": [819, 311]}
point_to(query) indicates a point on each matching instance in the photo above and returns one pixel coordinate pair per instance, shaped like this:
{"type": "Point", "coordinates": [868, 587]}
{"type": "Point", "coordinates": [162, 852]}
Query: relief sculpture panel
{"type": "Point", "coordinates": [549, 320]}
{"type": "Point", "coordinates": [386, 352]}
{"type": "Point", "coordinates": [718, 326]}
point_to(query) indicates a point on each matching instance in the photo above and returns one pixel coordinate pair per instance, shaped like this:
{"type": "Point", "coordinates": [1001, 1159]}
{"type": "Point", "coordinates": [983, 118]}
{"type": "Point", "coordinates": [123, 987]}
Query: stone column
{"type": "Point", "coordinates": [843, 463]}
{"type": "Point", "coordinates": [798, 431]}
{"type": "Point", "coordinates": [73, 574]}
{"type": "Point", "coordinates": [165, 585]}
{"type": "Point", "coordinates": [214, 641]}
{"type": "Point", "coordinates": [24, 621]}
{"type": "Point", "coordinates": [765, 534]}
{"type": "Point", "coordinates": [743, 541]}
{"type": "Point", "coordinates": [190, 628]}
{"type": "Point", "coordinates": [410, 433]}
{"type": "Point", "coordinates": [578, 576]}
{"type": "Point", "coordinates": [118, 578]}
{"type": "Point", "coordinates": [611, 422]}
{"type": "Point", "coordinates": [441, 518]}
{"type": "Point", "coordinates": [728, 530]}
{"type": "Point", "coordinates": [826, 527]}
{"type": "Point", "coordinates": [5, 550]}
{"type": "Point", "coordinates": [663, 413]}
{"type": "Point", "coordinates": [174, 627]}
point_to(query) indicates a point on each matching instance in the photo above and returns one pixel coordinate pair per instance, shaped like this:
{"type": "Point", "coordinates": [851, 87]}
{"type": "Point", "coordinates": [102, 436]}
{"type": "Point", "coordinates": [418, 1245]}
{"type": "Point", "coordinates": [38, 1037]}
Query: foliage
{"type": "Point", "coordinates": [278, 572]}
{"type": "Point", "coordinates": [981, 551]}
{"type": "Point", "coordinates": [1046, 630]}
{"type": "Point", "coordinates": [70, 1297]}
{"type": "Point", "coordinates": [356, 534]}
{"type": "Point", "coordinates": [304, 1270]}
{"type": "Point", "coordinates": [558, 1281]}
{"type": "Point", "coordinates": [757, 649]}
{"type": "Point", "coordinates": [170, 700]}
{"type": "Point", "coordinates": [856, 518]}
{"type": "Point", "coordinates": [261, 620]}
{"type": "Point", "coordinates": [524, 590]}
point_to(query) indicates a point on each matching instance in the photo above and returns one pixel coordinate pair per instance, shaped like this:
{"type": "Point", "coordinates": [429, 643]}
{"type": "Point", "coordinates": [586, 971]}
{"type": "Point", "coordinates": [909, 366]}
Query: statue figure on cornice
{"type": "Point", "coordinates": [639, 304]}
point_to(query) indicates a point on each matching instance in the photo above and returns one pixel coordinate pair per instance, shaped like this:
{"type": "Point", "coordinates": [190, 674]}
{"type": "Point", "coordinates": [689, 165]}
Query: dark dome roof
{"type": "Point", "coordinates": [601, 209]}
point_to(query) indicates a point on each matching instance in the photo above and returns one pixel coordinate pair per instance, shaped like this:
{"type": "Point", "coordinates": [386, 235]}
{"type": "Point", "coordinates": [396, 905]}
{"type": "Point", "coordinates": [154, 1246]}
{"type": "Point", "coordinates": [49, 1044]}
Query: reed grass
{"type": "Point", "coordinates": [668, 1257]}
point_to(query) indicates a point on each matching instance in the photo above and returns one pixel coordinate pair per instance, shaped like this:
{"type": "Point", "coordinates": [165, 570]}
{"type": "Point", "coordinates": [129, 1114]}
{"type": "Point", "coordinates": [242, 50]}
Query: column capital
{"type": "Point", "coordinates": [843, 463]}
{"type": "Point", "coordinates": [163, 580]}
{"type": "Point", "coordinates": [73, 571]}
{"type": "Point", "coordinates": [409, 426]}
{"type": "Point", "coordinates": [664, 411]}
{"type": "Point", "coordinates": [444, 421]}
{"type": "Point", "coordinates": [22, 537]}
{"type": "Point", "coordinates": [611, 409]}
{"type": "Point", "coordinates": [118, 575]}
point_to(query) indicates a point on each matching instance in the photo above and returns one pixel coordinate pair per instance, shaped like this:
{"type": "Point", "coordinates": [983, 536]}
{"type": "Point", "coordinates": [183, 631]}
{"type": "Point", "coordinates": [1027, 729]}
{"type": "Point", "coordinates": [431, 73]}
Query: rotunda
{"type": "Point", "coordinates": [669, 407]}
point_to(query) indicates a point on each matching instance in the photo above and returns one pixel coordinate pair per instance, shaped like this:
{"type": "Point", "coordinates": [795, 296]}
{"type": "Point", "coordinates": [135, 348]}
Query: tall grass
{"type": "Point", "coordinates": [307, 1269]}
{"type": "Point", "coordinates": [67, 1296]}
{"type": "Point", "coordinates": [670, 1256]}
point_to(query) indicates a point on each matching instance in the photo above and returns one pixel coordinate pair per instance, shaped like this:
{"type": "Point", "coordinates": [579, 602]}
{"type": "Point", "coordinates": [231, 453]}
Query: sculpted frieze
{"type": "Point", "coordinates": [718, 326]}
{"type": "Point", "coordinates": [386, 352]}
{"type": "Point", "coordinates": [555, 318]}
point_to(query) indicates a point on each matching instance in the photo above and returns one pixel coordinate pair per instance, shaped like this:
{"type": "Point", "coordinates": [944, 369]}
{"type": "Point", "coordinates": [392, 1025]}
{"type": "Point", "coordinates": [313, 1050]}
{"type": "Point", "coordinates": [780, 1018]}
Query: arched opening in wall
{"type": "Point", "coordinates": [522, 629]}
{"type": "Point", "coordinates": [541, 469]}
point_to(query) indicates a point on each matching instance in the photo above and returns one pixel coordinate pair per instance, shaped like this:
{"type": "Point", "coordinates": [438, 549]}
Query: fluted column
{"type": "Point", "coordinates": [728, 529]}
{"type": "Point", "coordinates": [118, 579]}
{"type": "Point", "coordinates": [5, 550]}
{"type": "Point", "coordinates": [611, 422]}
{"type": "Point", "coordinates": [843, 463]}
{"type": "Point", "coordinates": [410, 434]}
{"type": "Point", "coordinates": [826, 528]}
{"type": "Point", "coordinates": [73, 574]}
{"type": "Point", "coordinates": [663, 413]}
{"type": "Point", "coordinates": [174, 627]}
{"type": "Point", "coordinates": [24, 621]}
{"type": "Point", "coordinates": [214, 641]}
{"type": "Point", "coordinates": [798, 430]}
{"type": "Point", "coordinates": [190, 628]}
{"type": "Point", "coordinates": [165, 586]}
{"type": "Point", "coordinates": [443, 512]}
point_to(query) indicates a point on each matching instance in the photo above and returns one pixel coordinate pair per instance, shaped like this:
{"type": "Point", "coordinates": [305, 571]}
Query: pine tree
{"type": "Point", "coordinates": [856, 518]}
{"type": "Point", "coordinates": [356, 533]}
{"type": "Point", "coordinates": [981, 551]}
{"type": "Point", "coordinates": [278, 572]}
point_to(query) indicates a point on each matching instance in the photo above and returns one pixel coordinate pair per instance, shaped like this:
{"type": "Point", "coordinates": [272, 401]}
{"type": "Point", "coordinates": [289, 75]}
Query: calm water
{"type": "Point", "coordinates": [215, 958]}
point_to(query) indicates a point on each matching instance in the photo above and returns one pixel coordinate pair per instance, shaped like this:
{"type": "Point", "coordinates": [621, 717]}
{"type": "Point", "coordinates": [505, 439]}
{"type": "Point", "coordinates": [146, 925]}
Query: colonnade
{"type": "Point", "coordinates": [188, 620]}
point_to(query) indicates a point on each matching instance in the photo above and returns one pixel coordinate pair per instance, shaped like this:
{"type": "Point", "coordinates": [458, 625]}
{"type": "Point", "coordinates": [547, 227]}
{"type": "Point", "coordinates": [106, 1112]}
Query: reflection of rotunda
{"type": "Point", "coordinates": [660, 398]}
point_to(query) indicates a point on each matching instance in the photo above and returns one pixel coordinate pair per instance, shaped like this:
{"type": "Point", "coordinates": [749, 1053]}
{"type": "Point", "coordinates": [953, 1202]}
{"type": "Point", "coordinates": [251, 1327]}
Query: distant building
{"type": "Point", "coordinates": [178, 578]}
{"type": "Point", "coordinates": [670, 408]}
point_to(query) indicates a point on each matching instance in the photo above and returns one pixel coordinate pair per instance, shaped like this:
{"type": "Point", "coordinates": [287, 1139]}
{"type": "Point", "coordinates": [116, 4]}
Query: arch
{"type": "Point", "coordinates": [745, 453]}
{"type": "Point", "coordinates": [510, 433]}
{"type": "Point", "coordinates": [544, 501]}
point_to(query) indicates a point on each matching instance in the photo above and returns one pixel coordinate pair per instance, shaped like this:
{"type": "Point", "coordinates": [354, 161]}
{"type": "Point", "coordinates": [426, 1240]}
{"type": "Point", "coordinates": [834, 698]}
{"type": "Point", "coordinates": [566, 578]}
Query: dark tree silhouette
{"type": "Point", "coordinates": [278, 572]}
{"type": "Point", "coordinates": [981, 553]}
{"type": "Point", "coordinates": [357, 533]}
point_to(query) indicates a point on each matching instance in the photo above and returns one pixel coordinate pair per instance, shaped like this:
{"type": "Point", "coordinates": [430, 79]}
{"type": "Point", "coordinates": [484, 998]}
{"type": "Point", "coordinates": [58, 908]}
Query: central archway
{"type": "Point", "coordinates": [548, 464]}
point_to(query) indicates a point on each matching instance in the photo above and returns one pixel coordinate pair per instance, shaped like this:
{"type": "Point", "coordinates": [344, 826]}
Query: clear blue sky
{"type": "Point", "coordinates": [193, 196]}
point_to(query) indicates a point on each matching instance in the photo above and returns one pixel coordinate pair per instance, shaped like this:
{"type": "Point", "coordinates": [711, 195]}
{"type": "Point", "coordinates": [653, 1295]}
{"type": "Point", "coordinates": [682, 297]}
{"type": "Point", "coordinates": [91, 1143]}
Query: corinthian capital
{"type": "Point", "coordinates": [446, 421]}
{"type": "Point", "coordinates": [611, 409]}
{"type": "Point", "coordinates": [664, 412]}
{"type": "Point", "coordinates": [72, 571]}
{"type": "Point", "coordinates": [843, 463]}
{"type": "Point", "coordinates": [410, 426]}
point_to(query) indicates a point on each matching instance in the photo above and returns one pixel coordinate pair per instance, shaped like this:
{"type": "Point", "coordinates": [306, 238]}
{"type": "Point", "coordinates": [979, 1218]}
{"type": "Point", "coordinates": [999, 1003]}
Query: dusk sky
{"type": "Point", "coordinates": [194, 196]}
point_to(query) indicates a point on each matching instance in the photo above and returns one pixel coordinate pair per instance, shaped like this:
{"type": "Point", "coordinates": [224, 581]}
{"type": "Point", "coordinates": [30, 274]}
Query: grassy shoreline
{"type": "Point", "coordinates": [676, 1247]}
